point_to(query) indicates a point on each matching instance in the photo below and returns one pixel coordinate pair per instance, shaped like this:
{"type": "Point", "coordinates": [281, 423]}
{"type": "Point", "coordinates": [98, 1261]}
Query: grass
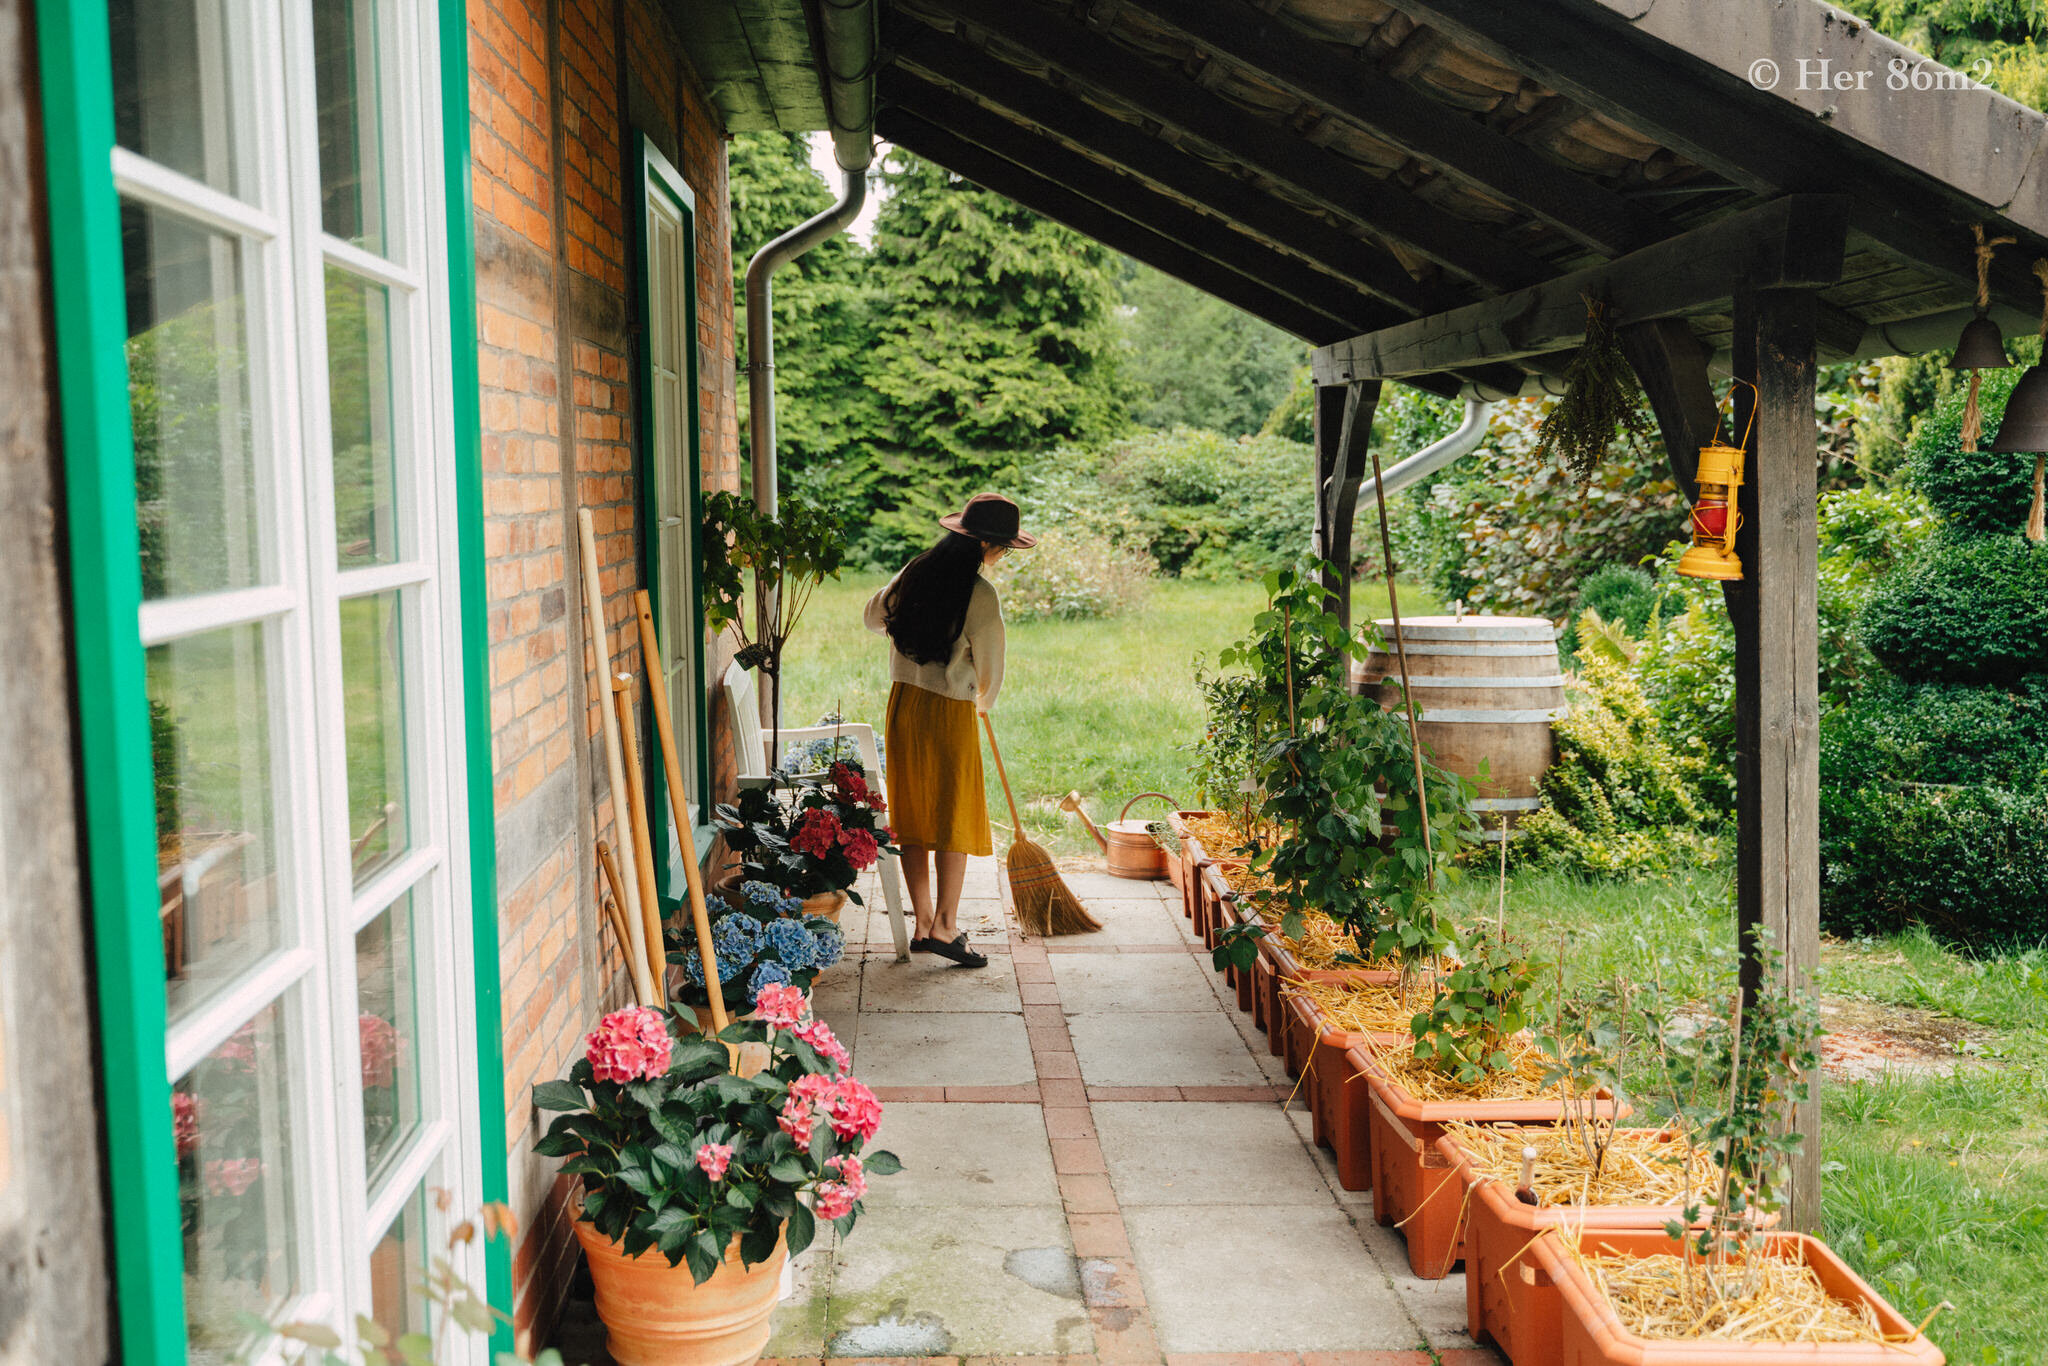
{"type": "Point", "coordinates": [1103, 707]}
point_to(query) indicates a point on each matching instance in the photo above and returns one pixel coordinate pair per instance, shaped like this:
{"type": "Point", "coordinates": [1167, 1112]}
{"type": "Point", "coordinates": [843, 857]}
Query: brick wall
{"type": "Point", "coordinates": [559, 91]}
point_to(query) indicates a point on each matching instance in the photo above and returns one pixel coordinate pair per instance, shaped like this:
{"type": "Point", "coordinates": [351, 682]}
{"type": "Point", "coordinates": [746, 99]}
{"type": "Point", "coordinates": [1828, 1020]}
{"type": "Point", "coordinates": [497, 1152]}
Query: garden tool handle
{"type": "Point", "coordinates": [1072, 802]}
{"type": "Point", "coordinates": [1141, 797]}
{"type": "Point", "coordinates": [1015, 820]}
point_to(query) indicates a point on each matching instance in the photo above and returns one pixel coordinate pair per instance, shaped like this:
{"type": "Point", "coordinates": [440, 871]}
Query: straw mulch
{"type": "Point", "coordinates": [1366, 1009]}
{"type": "Point", "coordinates": [1521, 1079]}
{"type": "Point", "coordinates": [1761, 1299]}
{"type": "Point", "coordinates": [1643, 1166]}
{"type": "Point", "coordinates": [1220, 835]}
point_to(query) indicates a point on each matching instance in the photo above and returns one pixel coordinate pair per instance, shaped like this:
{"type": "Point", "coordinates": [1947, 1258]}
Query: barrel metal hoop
{"type": "Point", "coordinates": [1458, 716]}
{"type": "Point", "coordinates": [1413, 633]}
{"type": "Point", "coordinates": [1482, 681]}
{"type": "Point", "coordinates": [1507, 803]}
{"type": "Point", "coordinates": [1511, 650]}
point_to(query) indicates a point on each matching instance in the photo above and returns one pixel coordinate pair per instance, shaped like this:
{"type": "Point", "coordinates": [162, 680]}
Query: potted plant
{"type": "Point", "coordinates": [698, 1182]}
{"type": "Point", "coordinates": [761, 937]}
{"type": "Point", "coordinates": [809, 837]}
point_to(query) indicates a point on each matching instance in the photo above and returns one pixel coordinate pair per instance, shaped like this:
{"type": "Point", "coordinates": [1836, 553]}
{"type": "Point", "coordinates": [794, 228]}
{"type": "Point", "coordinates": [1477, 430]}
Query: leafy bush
{"type": "Point", "coordinates": [1075, 572]}
{"type": "Point", "coordinates": [1974, 609]}
{"type": "Point", "coordinates": [1864, 534]}
{"type": "Point", "coordinates": [1618, 595]}
{"type": "Point", "coordinates": [1974, 491]}
{"type": "Point", "coordinates": [1686, 669]}
{"type": "Point", "coordinates": [1620, 801]}
{"type": "Point", "coordinates": [1969, 862]}
{"type": "Point", "coordinates": [1939, 733]}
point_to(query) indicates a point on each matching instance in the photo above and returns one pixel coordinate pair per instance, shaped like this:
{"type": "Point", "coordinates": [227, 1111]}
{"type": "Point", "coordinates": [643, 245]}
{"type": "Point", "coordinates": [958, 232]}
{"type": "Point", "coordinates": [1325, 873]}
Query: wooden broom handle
{"type": "Point", "coordinates": [643, 988]}
{"type": "Point", "coordinates": [643, 846]}
{"type": "Point", "coordinates": [672, 769]}
{"type": "Point", "coordinates": [614, 762]}
{"type": "Point", "coordinates": [1015, 820]}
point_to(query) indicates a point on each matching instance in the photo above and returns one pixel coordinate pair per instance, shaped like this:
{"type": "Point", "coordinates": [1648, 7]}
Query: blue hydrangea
{"type": "Point", "coordinates": [729, 968]}
{"type": "Point", "coordinates": [737, 935]}
{"type": "Point", "coordinates": [830, 943]}
{"type": "Point", "coordinates": [765, 899]}
{"type": "Point", "coordinates": [792, 943]}
{"type": "Point", "coordinates": [767, 975]}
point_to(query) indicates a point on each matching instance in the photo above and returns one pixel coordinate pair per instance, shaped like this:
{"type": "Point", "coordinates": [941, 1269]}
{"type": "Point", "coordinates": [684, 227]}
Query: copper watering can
{"type": "Point", "coordinates": [1132, 851]}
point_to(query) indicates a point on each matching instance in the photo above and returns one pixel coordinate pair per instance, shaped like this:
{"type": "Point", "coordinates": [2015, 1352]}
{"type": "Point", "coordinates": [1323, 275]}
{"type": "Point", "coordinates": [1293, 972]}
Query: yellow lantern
{"type": "Point", "coordinates": [1715, 519]}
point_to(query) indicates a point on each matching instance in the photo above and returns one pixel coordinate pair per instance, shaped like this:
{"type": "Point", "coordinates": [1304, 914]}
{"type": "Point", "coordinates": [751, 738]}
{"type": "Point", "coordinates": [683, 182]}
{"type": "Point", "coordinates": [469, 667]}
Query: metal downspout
{"type": "Point", "coordinates": [1436, 454]}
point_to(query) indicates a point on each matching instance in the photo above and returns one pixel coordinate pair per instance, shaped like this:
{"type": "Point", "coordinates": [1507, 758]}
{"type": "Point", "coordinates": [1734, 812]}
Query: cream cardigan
{"type": "Point", "coordinates": [975, 671]}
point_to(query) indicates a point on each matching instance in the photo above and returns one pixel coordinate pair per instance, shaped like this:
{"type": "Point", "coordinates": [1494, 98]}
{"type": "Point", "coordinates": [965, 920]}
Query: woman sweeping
{"type": "Point", "coordinates": [945, 630]}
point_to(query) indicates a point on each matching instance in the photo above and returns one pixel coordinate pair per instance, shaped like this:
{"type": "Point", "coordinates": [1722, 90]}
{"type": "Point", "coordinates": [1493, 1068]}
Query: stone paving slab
{"type": "Point", "coordinates": [1186, 1153]}
{"type": "Point", "coordinates": [927, 983]}
{"type": "Point", "coordinates": [1247, 1278]}
{"type": "Point", "coordinates": [960, 1048]}
{"type": "Point", "coordinates": [967, 1156]}
{"type": "Point", "coordinates": [1146, 920]}
{"type": "Point", "coordinates": [1103, 983]}
{"type": "Point", "coordinates": [1161, 1048]}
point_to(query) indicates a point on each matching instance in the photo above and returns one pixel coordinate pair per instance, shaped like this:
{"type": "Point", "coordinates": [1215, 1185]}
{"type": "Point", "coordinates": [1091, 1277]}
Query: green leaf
{"type": "Point", "coordinates": [881, 1162]}
{"type": "Point", "coordinates": [559, 1095]}
{"type": "Point", "coordinates": [802, 1229]}
{"type": "Point", "coordinates": [311, 1333]}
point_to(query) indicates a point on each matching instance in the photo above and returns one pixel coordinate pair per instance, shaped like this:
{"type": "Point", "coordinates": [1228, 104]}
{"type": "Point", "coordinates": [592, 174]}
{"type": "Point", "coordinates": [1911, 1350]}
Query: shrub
{"type": "Point", "coordinates": [1980, 490]}
{"type": "Point", "coordinates": [1938, 733]}
{"type": "Point", "coordinates": [1619, 595]}
{"type": "Point", "coordinates": [1974, 609]}
{"type": "Point", "coordinates": [1075, 572]}
{"type": "Point", "coordinates": [1686, 669]}
{"type": "Point", "coordinates": [1969, 862]}
{"type": "Point", "coordinates": [1620, 801]}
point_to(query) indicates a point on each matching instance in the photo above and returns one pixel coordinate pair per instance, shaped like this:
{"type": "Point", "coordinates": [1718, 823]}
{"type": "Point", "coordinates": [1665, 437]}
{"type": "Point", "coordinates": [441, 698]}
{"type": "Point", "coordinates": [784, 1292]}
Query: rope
{"type": "Point", "coordinates": [1379, 494]}
{"type": "Point", "coordinates": [1986, 248]}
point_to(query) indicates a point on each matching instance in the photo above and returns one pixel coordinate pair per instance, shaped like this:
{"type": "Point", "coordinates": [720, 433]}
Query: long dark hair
{"type": "Point", "coordinates": [927, 608]}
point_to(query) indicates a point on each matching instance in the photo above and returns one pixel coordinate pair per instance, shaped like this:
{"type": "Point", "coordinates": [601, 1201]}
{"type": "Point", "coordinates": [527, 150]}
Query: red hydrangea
{"type": "Point", "coordinates": [861, 849]}
{"type": "Point", "coordinates": [186, 1109]}
{"type": "Point", "coordinates": [629, 1045]}
{"type": "Point", "coordinates": [816, 833]}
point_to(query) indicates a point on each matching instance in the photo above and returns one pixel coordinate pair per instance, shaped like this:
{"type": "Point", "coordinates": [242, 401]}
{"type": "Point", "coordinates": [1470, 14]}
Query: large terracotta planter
{"type": "Point", "coordinates": [1411, 1178]}
{"type": "Point", "coordinates": [825, 905]}
{"type": "Point", "coordinates": [1506, 1302]}
{"type": "Point", "coordinates": [1177, 821]}
{"type": "Point", "coordinates": [1591, 1333]}
{"type": "Point", "coordinates": [1337, 1096]}
{"type": "Point", "coordinates": [655, 1316]}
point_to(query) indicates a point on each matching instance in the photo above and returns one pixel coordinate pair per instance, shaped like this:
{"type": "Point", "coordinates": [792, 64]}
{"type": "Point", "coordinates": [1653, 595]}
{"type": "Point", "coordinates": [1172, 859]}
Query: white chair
{"type": "Point", "coordinates": [755, 765]}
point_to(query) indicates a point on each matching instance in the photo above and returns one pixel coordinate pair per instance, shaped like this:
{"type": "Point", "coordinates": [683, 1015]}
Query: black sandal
{"type": "Point", "coordinates": [957, 951]}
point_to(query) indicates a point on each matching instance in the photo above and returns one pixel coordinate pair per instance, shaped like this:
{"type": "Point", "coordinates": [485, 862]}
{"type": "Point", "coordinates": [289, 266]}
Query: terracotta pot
{"type": "Point", "coordinates": [825, 905]}
{"type": "Point", "coordinates": [1336, 1095]}
{"type": "Point", "coordinates": [1590, 1332]}
{"type": "Point", "coordinates": [1411, 1179]}
{"type": "Point", "coordinates": [1184, 878]}
{"type": "Point", "coordinates": [1506, 1302]}
{"type": "Point", "coordinates": [655, 1316]}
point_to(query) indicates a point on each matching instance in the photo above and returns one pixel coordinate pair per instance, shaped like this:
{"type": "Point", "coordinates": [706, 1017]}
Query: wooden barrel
{"type": "Point", "coordinates": [1486, 690]}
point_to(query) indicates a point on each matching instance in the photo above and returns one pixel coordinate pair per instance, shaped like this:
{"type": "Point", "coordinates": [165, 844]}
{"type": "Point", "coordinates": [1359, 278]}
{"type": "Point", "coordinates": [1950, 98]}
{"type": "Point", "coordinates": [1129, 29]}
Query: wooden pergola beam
{"type": "Point", "coordinates": [1790, 242]}
{"type": "Point", "coordinates": [1671, 365]}
{"type": "Point", "coordinates": [1380, 207]}
{"type": "Point", "coordinates": [1462, 148]}
{"type": "Point", "coordinates": [1056, 202]}
{"type": "Point", "coordinates": [1119, 194]}
{"type": "Point", "coordinates": [1256, 215]}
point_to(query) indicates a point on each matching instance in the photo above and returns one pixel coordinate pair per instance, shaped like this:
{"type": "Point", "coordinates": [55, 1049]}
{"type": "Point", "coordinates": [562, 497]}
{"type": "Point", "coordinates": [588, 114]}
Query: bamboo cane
{"type": "Point", "coordinates": [636, 810]}
{"type": "Point", "coordinates": [672, 769]}
{"type": "Point", "coordinates": [614, 762]}
{"type": "Point", "coordinates": [643, 987]}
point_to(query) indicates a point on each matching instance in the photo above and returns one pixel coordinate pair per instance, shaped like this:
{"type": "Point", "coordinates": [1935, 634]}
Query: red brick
{"type": "Point", "coordinates": [1009, 1095]}
{"type": "Point", "coordinates": [1085, 1193]}
{"type": "Point", "coordinates": [1078, 1157]}
{"type": "Point", "coordinates": [1127, 1093]}
{"type": "Point", "coordinates": [1062, 1091]}
{"type": "Point", "coordinates": [1099, 1235]}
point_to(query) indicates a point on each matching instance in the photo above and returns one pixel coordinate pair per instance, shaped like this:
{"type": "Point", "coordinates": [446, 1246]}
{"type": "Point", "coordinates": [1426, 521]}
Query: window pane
{"type": "Point", "coordinates": [373, 704]}
{"type": "Point", "coordinates": [172, 88]}
{"type": "Point", "coordinates": [345, 87]}
{"type": "Point", "coordinates": [359, 399]}
{"type": "Point", "coordinates": [388, 1028]}
{"type": "Point", "coordinates": [231, 1116]}
{"type": "Point", "coordinates": [196, 490]}
{"type": "Point", "coordinates": [209, 707]}
{"type": "Point", "coordinates": [397, 1264]}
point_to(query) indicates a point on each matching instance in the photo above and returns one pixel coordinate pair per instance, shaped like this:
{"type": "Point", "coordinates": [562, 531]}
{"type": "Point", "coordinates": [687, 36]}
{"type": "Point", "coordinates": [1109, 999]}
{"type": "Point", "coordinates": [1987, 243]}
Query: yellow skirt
{"type": "Point", "coordinates": [935, 784]}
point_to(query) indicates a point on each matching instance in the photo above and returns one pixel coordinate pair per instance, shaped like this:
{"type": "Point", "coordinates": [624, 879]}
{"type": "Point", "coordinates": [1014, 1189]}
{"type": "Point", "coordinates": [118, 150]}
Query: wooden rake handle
{"type": "Point", "coordinates": [1016, 821]}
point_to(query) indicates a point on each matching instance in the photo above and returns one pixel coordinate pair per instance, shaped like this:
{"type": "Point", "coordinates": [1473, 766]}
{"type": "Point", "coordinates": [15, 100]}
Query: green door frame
{"type": "Point", "coordinates": [658, 176]}
{"type": "Point", "coordinates": [76, 69]}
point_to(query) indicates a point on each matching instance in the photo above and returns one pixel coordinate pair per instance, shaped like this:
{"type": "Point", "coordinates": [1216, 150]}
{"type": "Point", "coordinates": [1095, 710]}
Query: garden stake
{"type": "Point", "coordinates": [643, 988]}
{"type": "Point", "coordinates": [614, 763]}
{"type": "Point", "coordinates": [700, 918]}
{"type": "Point", "coordinates": [636, 810]}
{"type": "Point", "coordinates": [1045, 904]}
{"type": "Point", "coordinates": [1379, 494]}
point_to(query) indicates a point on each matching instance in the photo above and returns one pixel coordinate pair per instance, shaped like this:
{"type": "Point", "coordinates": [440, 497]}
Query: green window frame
{"type": "Point", "coordinates": [671, 491]}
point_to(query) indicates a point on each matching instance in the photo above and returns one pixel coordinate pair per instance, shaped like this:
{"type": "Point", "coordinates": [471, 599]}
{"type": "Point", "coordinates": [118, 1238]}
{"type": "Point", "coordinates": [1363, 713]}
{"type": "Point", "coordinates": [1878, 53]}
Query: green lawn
{"type": "Point", "coordinates": [1936, 1187]}
{"type": "Point", "coordinates": [1099, 706]}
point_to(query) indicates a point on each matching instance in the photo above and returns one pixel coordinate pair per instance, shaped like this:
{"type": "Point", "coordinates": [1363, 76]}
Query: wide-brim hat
{"type": "Point", "coordinates": [992, 518]}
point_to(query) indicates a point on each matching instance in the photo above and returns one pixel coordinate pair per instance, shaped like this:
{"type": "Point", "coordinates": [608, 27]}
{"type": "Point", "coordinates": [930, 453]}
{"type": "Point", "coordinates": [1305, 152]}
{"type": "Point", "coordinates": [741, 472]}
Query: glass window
{"type": "Point", "coordinates": [196, 489]}
{"type": "Point", "coordinates": [231, 1117]}
{"type": "Point", "coordinates": [359, 400]}
{"type": "Point", "coordinates": [172, 100]}
{"type": "Point", "coordinates": [397, 1265]}
{"type": "Point", "coordinates": [387, 1025]}
{"type": "Point", "coordinates": [373, 703]}
{"type": "Point", "coordinates": [209, 709]}
{"type": "Point", "coordinates": [345, 88]}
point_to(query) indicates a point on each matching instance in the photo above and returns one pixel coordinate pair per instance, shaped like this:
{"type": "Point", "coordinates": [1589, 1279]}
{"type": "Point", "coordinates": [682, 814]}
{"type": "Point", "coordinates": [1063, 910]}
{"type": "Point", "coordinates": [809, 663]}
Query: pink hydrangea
{"type": "Point", "coordinates": [861, 849]}
{"type": "Point", "coordinates": [853, 1109]}
{"type": "Point", "coordinates": [817, 833]}
{"type": "Point", "coordinates": [232, 1175]}
{"type": "Point", "coordinates": [186, 1110]}
{"type": "Point", "coordinates": [796, 1120]}
{"type": "Point", "coordinates": [713, 1159]}
{"type": "Point", "coordinates": [239, 1048]}
{"type": "Point", "coordinates": [629, 1045]}
{"type": "Point", "coordinates": [848, 1168]}
{"type": "Point", "coordinates": [380, 1050]}
{"type": "Point", "coordinates": [833, 1199]}
{"type": "Point", "coordinates": [819, 1035]}
{"type": "Point", "coordinates": [781, 1006]}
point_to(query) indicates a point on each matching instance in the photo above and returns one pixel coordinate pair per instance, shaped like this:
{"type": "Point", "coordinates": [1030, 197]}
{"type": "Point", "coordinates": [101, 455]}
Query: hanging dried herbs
{"type": "Point", "coordinates": [1599, 401]}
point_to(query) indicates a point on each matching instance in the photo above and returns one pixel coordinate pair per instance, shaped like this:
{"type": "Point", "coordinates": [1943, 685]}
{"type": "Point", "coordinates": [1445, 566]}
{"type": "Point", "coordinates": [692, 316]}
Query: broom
{"type": "Point", "coordinates": [1045, 904]}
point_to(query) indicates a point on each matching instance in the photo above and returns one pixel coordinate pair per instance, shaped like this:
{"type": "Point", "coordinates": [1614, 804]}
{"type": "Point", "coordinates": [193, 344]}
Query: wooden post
{"type": "Point", "coordinates": [1343, 426]}
{"type": "Point", "coordinates": [1777, 671]}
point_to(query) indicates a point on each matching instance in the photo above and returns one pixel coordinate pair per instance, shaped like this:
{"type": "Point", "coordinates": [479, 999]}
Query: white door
{"type": "Point", "coordinates": [279, 170]}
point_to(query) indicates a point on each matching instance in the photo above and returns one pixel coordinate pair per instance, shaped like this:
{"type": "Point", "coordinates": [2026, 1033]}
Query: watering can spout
{"type": "Point", "coordinates": [1072, 803]}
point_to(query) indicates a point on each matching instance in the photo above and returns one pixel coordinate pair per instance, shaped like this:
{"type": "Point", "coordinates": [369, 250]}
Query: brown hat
{"type": "Point", "coordinates": [992, 518]}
